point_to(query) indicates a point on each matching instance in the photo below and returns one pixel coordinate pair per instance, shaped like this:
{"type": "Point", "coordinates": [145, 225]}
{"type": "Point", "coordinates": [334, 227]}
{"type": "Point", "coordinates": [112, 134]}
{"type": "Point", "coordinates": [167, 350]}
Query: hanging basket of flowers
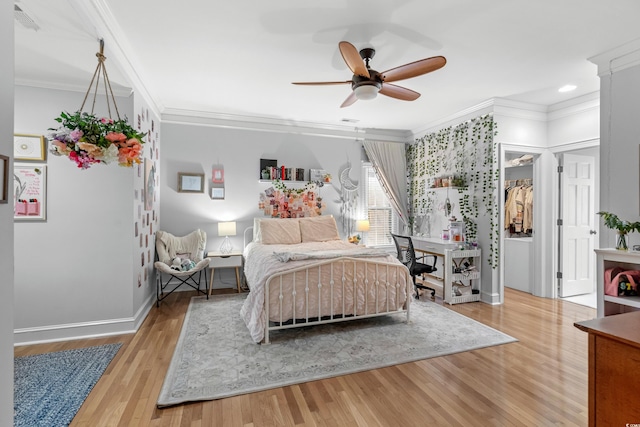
{"type": "Point", "coordinates": [88, 139]}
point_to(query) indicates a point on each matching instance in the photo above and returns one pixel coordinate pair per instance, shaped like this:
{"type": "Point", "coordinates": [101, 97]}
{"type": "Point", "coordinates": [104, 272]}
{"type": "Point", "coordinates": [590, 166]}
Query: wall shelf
{"type": "Point", "coordinates": [610, 304]}
{"type": "Point", "coordinates": [286, 181]}
{"type": "Point", "coordinates": [445, 188]}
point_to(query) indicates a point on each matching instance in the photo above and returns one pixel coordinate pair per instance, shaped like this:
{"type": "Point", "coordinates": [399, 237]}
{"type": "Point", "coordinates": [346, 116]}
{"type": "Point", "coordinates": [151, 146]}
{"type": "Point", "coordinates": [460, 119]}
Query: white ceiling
{"type": "Point", "coordinates": [238, 58]}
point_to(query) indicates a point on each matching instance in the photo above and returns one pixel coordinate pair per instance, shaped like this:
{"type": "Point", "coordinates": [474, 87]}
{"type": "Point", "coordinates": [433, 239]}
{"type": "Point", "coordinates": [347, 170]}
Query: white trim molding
{"type": "Point", "coordinates": [83, 330]}
{"type": "Point", "coordinates": [618, 59]}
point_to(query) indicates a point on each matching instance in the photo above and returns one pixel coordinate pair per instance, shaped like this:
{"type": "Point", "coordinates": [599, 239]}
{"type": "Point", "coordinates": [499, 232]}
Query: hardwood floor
{"type": "Point", "coordinates": [539, 381]}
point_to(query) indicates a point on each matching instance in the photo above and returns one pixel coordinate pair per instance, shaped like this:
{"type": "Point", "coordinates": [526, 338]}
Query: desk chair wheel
{"type": "Point", "coordinates": [419, 286]}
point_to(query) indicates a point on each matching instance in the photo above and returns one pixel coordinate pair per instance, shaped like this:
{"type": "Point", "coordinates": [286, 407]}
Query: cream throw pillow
{"type": "Point", "coordinates": [279, 231]}
{"type": "Point", "coordinates": [319, 229]}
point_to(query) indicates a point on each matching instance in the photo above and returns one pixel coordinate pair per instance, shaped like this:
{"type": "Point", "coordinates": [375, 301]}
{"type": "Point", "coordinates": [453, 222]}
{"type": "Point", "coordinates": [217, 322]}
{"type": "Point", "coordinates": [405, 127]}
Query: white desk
{"type": "Point", "coordinates": [221, 260]}
{"type": "Point", "coordinates": [432, 245]}
{"type": "Point", "coordinates": [435, 246]}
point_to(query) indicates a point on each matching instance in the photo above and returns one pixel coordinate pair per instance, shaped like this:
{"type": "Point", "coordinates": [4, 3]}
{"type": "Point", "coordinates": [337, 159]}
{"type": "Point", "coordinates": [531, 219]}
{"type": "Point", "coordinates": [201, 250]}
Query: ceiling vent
{"type": "Point", "coordinates": [24, 19]}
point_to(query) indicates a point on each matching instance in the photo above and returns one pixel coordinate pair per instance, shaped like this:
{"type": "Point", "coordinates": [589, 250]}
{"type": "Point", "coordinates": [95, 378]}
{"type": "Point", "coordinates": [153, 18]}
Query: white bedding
{"type": "Point", "coordinates": [261, 263]}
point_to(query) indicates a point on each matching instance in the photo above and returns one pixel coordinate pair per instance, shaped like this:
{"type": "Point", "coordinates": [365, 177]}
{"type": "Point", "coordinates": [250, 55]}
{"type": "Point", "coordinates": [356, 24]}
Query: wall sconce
{"type": "Point", "coordinates": [226, 229]}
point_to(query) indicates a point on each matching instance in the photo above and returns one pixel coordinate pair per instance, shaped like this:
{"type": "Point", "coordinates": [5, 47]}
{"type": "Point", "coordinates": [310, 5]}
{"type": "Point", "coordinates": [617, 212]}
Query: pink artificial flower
{"type": "Point", "coordinates": [130, 153]}
{"type": "Point", "coordinates": [105, 121]}
{"type": "Point", "coordinates": [62, 147]}
{"type": "Point", "coordinates": [116, 138]}
{"type": "Point", "coordinates": [76, 134]}
{"type": "Point", "coordinates": [91, 149]}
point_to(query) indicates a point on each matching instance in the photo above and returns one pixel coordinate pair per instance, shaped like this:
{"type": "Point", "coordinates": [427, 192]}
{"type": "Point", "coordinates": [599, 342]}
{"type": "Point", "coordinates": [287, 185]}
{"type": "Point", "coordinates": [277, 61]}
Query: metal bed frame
{"type": "Point", "coordinates": [338, 282]}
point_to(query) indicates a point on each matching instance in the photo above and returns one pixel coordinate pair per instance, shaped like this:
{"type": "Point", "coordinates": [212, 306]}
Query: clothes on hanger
{"type": "Point", "coordinates": [518, 206]}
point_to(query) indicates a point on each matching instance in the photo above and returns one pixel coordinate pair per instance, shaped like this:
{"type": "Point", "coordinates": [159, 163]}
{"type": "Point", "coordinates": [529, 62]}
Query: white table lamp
{"type": "Point", "coordinates": [362, 225]}
{"type": "Point", "coordinates": [226, 229]}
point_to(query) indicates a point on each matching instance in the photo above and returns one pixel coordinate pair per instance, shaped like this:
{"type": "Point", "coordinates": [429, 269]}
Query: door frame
{"type": "Point", "coordinates": [504, 149]}
{"type": "Point", "coordinates": [573, 148]}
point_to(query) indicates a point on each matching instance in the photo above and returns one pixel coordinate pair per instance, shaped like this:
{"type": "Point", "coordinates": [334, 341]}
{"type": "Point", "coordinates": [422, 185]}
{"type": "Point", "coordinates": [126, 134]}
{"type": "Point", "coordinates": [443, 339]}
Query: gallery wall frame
{"type": "Point", "coordinates": [30, 183]}
{"type": "Point", "coordinates": [149, 183]}
{"type": "Point", "coordinates": [27, 147]}
{"type": "Point", "coordinates": [4, 179]}
{"type": "Point", "coordinates": [217, 193]}
{"type": "Point", "coordinates": [190, 182]}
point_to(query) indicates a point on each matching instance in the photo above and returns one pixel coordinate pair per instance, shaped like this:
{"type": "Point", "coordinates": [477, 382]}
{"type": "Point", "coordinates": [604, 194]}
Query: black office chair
{"type": "Point", "coordinates": [407, 256]}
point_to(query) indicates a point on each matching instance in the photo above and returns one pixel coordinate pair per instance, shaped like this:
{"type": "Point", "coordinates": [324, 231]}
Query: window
{"type": "Point", "coordinates": [376, 206]}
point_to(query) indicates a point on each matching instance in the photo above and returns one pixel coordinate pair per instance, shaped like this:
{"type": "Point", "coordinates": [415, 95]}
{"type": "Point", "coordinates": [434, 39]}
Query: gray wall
{"type": "Point", "coordinates": [6, 218]}
{"type": "Point", "coordinates": [196, 149]}
{"type": "Point", "coordinates": [74, 273]}
{"type": "Point", "coordinates": [620, 139]}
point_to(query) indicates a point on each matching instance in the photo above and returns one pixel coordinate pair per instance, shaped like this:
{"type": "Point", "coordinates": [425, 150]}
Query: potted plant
{"type": "Point", "coordinates": [266, 174]}
{"type": "Point", "coordinates": [622, 227]}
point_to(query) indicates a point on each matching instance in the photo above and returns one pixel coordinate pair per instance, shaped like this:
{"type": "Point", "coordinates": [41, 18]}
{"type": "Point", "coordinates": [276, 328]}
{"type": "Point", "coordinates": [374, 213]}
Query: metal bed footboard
{"type": "Point", "coordinates": [329, 284]}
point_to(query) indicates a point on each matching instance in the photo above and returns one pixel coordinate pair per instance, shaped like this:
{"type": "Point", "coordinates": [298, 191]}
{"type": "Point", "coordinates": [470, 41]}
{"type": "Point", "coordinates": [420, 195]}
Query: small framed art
{"type": "Point", "coordinates": [30, 183]}
{"type": "Point", "coordinates": [217, 193]}
{"type": "Point", "coordinates": [4, 179]}
{"type": "Point", "coordinates": [217, 175]}
{"type": "Point", "coordinates": [29, 147]}
{"type": "Point", "coordinates": [190, 182]}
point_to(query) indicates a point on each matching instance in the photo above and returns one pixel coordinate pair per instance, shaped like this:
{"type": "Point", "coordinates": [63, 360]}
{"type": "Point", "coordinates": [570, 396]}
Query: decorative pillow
{"type": "Point", "coordinates": [319, 229]}
{"type": "Point", "coordinates": [279, 231]}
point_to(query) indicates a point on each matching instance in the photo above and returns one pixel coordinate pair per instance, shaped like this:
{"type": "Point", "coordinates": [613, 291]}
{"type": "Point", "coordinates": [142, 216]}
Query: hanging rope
{"type": "Point", "coordinates": [101, 69]}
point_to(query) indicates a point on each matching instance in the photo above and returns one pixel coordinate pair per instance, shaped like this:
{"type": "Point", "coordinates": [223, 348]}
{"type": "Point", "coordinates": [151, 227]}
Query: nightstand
{"type": "Point", "coordinates": [221, 260]}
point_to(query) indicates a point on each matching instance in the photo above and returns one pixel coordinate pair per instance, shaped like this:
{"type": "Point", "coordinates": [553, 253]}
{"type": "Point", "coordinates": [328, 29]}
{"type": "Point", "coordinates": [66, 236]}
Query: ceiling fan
{"type": "Point", "coordinates": [366, 83]}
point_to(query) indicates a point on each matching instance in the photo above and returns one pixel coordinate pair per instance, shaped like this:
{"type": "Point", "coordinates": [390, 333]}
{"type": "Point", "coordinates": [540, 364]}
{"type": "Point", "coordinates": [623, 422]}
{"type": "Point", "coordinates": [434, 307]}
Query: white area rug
{"type": "Point", "coordinates": [215, 356]}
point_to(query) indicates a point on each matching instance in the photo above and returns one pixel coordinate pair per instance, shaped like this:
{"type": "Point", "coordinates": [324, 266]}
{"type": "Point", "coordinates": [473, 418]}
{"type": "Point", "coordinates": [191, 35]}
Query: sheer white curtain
{"type": "Point", "coordinates": [390, 163]}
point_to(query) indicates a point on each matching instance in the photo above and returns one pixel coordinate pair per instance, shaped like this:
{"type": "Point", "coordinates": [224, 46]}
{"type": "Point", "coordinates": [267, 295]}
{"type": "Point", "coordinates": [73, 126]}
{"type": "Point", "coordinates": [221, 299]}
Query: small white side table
{"type": "Point", "coordinates": [221, 260]}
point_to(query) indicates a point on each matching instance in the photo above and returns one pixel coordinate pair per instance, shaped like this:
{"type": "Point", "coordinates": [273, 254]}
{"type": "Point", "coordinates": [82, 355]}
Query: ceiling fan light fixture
{"type": "Point", "coordinates": [366, 92]}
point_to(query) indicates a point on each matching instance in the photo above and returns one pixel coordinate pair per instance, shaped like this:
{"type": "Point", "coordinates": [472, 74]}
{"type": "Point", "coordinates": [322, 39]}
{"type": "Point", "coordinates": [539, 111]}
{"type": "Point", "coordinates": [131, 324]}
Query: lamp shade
{"type": "Point", "coordinates": [362, 225]}
{"type": "Point", "coordinates": [227, 228]}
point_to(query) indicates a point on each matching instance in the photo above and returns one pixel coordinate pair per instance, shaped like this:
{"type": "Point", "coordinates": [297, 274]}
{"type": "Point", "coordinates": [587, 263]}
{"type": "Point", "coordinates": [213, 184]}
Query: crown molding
{"type": "Point", "coordinates": [267, 124]}
{"type": "Point", "coordinates": [578, 105]}
{"type": "Point", "coordinates": [462, 115]}
{"type": "Point", "coordinates": [498, 106]}
{"type": "Point", "coordinates": [98, 13]}
{"type": "Point", "coordinates": [121, 91]}
{"type": "Point", "coordinates": [618, 59]}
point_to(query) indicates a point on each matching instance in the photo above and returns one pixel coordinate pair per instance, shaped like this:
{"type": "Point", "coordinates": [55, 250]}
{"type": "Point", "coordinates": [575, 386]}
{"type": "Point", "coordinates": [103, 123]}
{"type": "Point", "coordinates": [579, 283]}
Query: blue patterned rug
{"type": "Point", "coordinates": [215, 356]}
{"type": "Point", "coordinates": [50, 388]}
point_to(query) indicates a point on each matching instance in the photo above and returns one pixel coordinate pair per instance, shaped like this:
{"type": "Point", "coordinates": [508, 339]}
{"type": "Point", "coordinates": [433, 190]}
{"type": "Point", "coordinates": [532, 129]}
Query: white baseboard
{"type": "Point", "coordinates": [83, 330]}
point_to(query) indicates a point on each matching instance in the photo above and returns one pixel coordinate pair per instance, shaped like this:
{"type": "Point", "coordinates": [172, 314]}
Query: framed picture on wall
{"type": "Point", "coordinates": [190, 182]}
{"type": "Point", "coordinates": [217, 175]}
{"type": "Point", "coordinates": [217, 193]}
{"type": "Point", "coordinates": [30, 183]}
{"type": "Point", "coordinates": [29, 147]}
{"type": "Point", "coordinates": [149, 183]}
{"type": "Point", "coordinates": [4, 179]}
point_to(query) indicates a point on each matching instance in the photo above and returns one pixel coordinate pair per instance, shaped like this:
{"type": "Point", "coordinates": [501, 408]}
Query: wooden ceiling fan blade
{"type": "Point", "coordinates": [414, 69]}
{"type": "Point", "coordinates": [321, 83]}
{"type": "Point", "coordinates": [352, 57]}
{"type": "Point", "coordinates": [350, 100]}
{"type": "Point", "coordinates": [399, 92]}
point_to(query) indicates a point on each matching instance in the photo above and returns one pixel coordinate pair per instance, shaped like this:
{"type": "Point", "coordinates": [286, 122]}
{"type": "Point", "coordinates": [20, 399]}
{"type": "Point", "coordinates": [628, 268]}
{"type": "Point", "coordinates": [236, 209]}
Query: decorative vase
{"type": "Point", "coordinates": [621, 242]}
{"type": "Point", "coordinates": [266, 174]}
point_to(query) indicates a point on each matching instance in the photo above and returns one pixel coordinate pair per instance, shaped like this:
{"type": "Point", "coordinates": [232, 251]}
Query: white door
{"type": "Point", "coordinates": [578, 228]}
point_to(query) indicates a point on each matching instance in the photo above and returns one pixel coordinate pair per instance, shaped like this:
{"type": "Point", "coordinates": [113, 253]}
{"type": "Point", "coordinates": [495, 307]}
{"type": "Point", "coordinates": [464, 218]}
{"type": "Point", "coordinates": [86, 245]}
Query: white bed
{"type": "Point", "coordinates": [334, 280]}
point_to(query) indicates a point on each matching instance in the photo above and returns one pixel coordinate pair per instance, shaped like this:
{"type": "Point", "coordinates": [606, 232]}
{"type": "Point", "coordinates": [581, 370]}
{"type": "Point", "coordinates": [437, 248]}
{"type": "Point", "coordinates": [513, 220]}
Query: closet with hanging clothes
{"type": "Point", "coordinates": [518, 221]}
{"type": "Point", "coordinates": [518, 207]}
